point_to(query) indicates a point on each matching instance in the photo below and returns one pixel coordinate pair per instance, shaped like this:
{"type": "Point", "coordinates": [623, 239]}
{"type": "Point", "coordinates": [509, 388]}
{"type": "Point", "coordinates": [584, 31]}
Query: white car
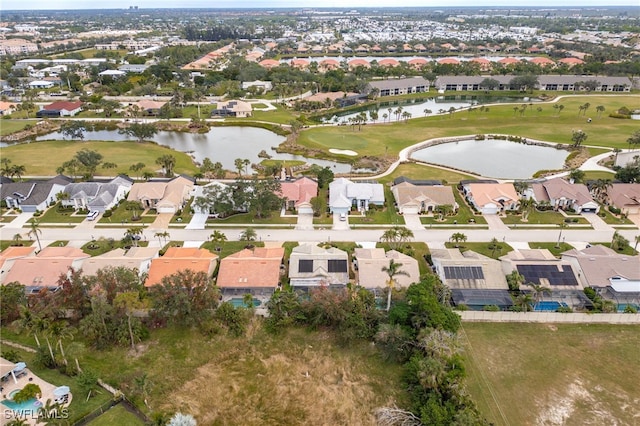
{"type": "Point", "coordinates": [343, 217]}
{"type": "Point", "coordinates": [92, 215]}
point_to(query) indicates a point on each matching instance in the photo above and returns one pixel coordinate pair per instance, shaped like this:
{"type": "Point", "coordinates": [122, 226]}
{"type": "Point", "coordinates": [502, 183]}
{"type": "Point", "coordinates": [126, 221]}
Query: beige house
{"type": "Point", "coordinates": [416, 199]}
{"type": "Point", "coordinates": [165, 197]}
{"type": "Point", "coordinates": [492, 198]}
{"type": "Point", "coordinates": [235, 108]}
{"type": "Point", "coordinates": [369, 264]}
{"type": "Point", "coordinates": [138, 258]}
{"type": "Point", "coordinates": [311, 266]}
{"type": "Point", "coordinates": [625, 196]}
{"type": "Point", "coordinates": [563, 195]}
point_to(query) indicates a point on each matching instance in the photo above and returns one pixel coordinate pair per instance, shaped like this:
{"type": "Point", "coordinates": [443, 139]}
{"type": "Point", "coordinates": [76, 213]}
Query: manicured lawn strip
{"type": "Point", "coordinates": [55, 214]}
{"type": "Point", "coordinates": [462, 217]}
{"type": "Point", "coordinates": [628, 250]}
{"type": "Point", "coordinates": [382, 139]}
{"type": "Point", "coordinates": [597, 174]}
{"type": "Point", "coordinates": [387, 215]}
{"type": "Point", "coordinates": [185, 215]}
{"type": "Point", "coordinates": [122, 215]}
{"type": "Point", "coordinates": [551, 247]}
{"type": "Point", "coordinates": [421, 171]}
{"type": "Point", "coordinates": [11, 126]}
{"type": "Point", "coordinates": [280, 115]}
{"type": "Point", "coordinates": [416, 250]}
{"type": "Point", "coordinates": [325, 217]}
{"type": "Point", "coordinates": [482, 248]}
{"type": "Point", "coordinates": [551, 367]}
{"type": "Point", "coordinates": [249, 219]}
{"type": "Point", "coordinates": [611, 219]}
{"type": "Point", "coordinates": [596, 151]}
{"type": "Point", "coordinates": [537, 217]}
{"type": "Point", "coordinates": [117, 415]}
{"type": "Point", "coordinates": [43, 158]}
{"type": "Point", "coordinates": [103, 245]}
{"type": "Point", "coordinates": [229, 247]}
{"type": "Point", "coordinates": [8, 243]}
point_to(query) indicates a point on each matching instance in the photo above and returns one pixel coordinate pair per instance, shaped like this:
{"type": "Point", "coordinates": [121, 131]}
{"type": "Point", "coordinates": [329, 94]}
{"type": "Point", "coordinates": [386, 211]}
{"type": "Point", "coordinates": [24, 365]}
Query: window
{"type": "Point", "coordinates": [337, 266]}
{"type": "Point", "coordinates": [305, 265]}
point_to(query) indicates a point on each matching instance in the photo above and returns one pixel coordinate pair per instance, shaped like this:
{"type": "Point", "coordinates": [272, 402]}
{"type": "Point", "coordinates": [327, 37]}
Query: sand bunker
{"type": "Point", "coordinates": [343, 152]}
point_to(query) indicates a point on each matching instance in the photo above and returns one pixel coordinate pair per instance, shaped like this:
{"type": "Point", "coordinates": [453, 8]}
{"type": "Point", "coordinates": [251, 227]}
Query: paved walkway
{"type": "Point", "coordinates": [412, 222]}
{"type": "Point", "coordinates": [162, 221]}
{"type": "Point", "coordinates": [19, 221]}
{"type": "Point", "coordinates": [597, 222]}
{"type": "Point", "coordinates": [495, 223]}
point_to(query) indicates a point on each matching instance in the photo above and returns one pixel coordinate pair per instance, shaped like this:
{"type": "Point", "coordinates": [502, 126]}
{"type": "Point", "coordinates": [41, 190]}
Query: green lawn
{"type": "Point", "coordinates": [123, 216]}
{"type": "Point", "coordinates": [612, 219]}
{"type": "Point", "coordinates": [482, 248]}
{"type": "Point", "coordinates": [250, 219]}
{"type": "Point", "coordinates": [422, 171]}
{"type": "Point", "coordinates": [552, 374]}
{"type": "Point", "coordinates": [382, 139]}
{"type": "Point", "coordinates": [8, 243]}
{"type": "Point", "coordinates": [386, 215]}
{"type": "Point", "coordinates": [58, 214]}
{"type": "Point", "coordinates": [43, 158]}
{"type": "Point", "coordinates": [117, 415]}
{"type": "Point", "coordinates": [597, 174]}
{"type": "Point", "coordinates": [417, 250]}
{"type": "Point", "coordinates": [551, 247]}
{"type": "Point", "coordinates": [229, 247]}
{"type": "Point", "coordinates": [11, 126]}
{"type": "Point", "coordinates": [102, 245]}
{"type": "Point", "coordinates": [628, 250]}
{"type": "Point", "coordinates": [280, 115]}
{"type": "Point", "coordinates": [464, 215]}
{"type": "Point", "coordinates": [537, 217]}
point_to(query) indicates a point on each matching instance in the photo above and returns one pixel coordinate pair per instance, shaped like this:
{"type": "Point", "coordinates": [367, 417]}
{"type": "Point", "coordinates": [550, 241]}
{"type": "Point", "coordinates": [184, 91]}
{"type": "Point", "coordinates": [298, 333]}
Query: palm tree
{"type": "Point", "coordinates": [392, 271]}
{"type": "Point", "coordinates": [132, 232]}
{"type": "Point", "coordinates": [599, 110]}
{"type": "Point", "coordinates": [164, 235]}
{"type": "Point", "coordinates": [458, 237]}
{"type": "Point", "coordinates": [524, 302]}
{"type": "Point", "coordinates": [248, 234]}
{"type": "Point", "coordinates": [60, 330]}
{"type": "Point", "coordinates": [538, 292]}
{"type": "Point", "coordinates": [218, 237]}
{"type": "Point", "coordinates": [637, 241]}
{"type": "Point", "coordinates": [17, 240]}
{"type": "Point", "coordinates": [600, 187]}
{"type": "Point", "coordinates": [495, 247]}
{"type": "Point", "coordinates": [618, 242]}
{"type": "Point", "coordinates": [34, 230]}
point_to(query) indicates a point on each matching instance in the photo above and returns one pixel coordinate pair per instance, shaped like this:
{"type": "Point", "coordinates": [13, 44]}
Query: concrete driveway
{"type": "Point", "coordinates": [340, 225]}
{"type": "Point", "coordinates": [198, 221]}
{"type": "Point", "coordinates": [412, 222]}
{"type": "Point", "coordinates": [305, 221]}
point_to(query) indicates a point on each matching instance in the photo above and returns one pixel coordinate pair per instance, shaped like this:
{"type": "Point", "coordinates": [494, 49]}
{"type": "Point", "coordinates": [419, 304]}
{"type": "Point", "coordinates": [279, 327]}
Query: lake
{"type": "Point", "coordinates": [223, 144]}
{"type": "Point", "coordinates": [494, 158]}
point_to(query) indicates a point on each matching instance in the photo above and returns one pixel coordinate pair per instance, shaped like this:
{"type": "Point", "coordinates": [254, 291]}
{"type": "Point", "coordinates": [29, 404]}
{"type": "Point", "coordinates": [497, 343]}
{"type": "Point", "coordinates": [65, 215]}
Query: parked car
{"type": "Point", "coordinates": [93, 214]}
{"type": "Point", "coordinates": [343, 217]}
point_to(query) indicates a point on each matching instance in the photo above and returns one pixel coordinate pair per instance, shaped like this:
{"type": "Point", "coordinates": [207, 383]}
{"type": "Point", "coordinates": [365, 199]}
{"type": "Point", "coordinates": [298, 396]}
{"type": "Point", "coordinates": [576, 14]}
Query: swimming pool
{"type": "Point", "coordinates": [549, 306]}
{"type": "Point", "coordinates": [30, 405]}
{"type": "Point", "coordinates": [239, 303]}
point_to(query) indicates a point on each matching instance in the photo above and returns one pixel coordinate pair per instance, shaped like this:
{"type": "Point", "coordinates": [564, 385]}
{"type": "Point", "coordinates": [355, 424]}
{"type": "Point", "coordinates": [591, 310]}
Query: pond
{"type": "Point", "coordinates": [416, 107]}
{"type": "Point", "coordinates": [494, 158]}
{"type": "Point", "coordinates": [223, 144]}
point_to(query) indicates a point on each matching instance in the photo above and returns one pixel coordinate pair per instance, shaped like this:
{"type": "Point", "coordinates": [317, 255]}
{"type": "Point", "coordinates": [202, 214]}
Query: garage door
{"type": "Point", "coordinates": [410, 210]}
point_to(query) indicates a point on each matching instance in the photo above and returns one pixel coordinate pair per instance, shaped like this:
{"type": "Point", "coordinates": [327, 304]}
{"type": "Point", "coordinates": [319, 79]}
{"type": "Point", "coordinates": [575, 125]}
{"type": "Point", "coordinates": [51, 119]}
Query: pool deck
{"type": "Point", "coordinates": [10, 385]}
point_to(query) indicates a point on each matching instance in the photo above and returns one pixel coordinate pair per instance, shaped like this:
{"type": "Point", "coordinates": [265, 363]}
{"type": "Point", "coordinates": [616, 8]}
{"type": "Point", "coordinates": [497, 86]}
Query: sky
{"type": "Point", "coordinates": [115, 4]}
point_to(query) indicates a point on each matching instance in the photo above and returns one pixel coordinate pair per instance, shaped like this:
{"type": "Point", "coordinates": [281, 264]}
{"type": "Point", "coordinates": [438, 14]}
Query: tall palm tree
{"type": "Point", "coordinates": [132, 232]}
{"type": "Point", "coordinates": [60, 330]}
{"type": "Point", "coordinates": [35, 231]}
{"type": "Point", "coordinates": [458, 237]}
{"type": "Point", "coordinates": [538, 292]}
{"type": "Point", "coordinates": [164, 235]}
{"type": "Point", "coordinates": [524, 302]}
{"type": "Point", "coordinates": [392, 271]}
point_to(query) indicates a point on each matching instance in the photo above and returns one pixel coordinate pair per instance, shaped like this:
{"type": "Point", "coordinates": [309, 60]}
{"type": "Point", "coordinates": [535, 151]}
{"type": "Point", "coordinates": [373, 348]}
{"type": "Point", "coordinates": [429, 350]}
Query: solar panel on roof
{"type": "Point", "coordinates": [463, 272]}
{"type": "Point", "coordinates": [305, 265]}
{"type": "Point", "coordinates": [563, 276]}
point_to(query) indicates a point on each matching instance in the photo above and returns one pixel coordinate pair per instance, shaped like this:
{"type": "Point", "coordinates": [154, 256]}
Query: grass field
{"type": "Point", "coordinates": [43, 158]}
{"type": "Point", "coordinates": [421, 171]}
{"type": "Point", "coordinates": [10, 126]}
{"type": "Point", "coordinates": [389, 138]}
{"type": "Point", "coordinates": [482, 248]}
{"type": "Point", "coordinates": [545, 374]}
{"type": "Point", "coordinates": [117, 415]}
{"type": "Point", "coordinates": [551, 247]}
{"type": "Point", "coordinates": [537, 217]}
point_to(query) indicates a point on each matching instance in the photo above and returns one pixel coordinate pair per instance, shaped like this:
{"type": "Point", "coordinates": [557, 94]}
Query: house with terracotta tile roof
{"type": "Point", "coordinates": [7, 108]}
{"type": "Point", "coordinates": [370, 261]}
{"type": "Point", "coordinates": [180, 259]}
{"type": "Point", "coordinates": [9, 255]}
{"type": "Point", "coordinates": [137, 258]}
{"type": "Point", "coordinates": [254, 271]}
{"type": "Point", "coordinates": [165, 197]}
{"type": "Point", "coordinates": [44, 269]}
{"type": "Point", "coordinates": [491, 198]}
{"type": "Point", "coordinates": [624, 196]}
{"type": "Point", "coordinates": [563, 195]}
{"type": "Point", "coordinates": [60, 109]}
{"type": "Point", "coordinates": [416, 199]}
{"type": "Point", "coordinates": [311, 266]}
{"type": "Point", "coordinates": [298, 194]}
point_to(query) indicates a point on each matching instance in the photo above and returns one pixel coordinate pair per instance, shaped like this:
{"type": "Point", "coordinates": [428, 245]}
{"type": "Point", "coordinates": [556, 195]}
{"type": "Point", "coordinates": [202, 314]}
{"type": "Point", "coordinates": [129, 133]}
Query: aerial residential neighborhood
{"type": "Point", "coordinates": [381, 215]}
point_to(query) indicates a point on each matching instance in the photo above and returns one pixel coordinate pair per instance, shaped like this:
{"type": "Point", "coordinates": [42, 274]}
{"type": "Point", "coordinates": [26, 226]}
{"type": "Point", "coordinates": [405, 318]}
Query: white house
{"type": "Point", "coordinates": [344, 194]}
{"type": "Point", "coordinates": [98, 196]}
